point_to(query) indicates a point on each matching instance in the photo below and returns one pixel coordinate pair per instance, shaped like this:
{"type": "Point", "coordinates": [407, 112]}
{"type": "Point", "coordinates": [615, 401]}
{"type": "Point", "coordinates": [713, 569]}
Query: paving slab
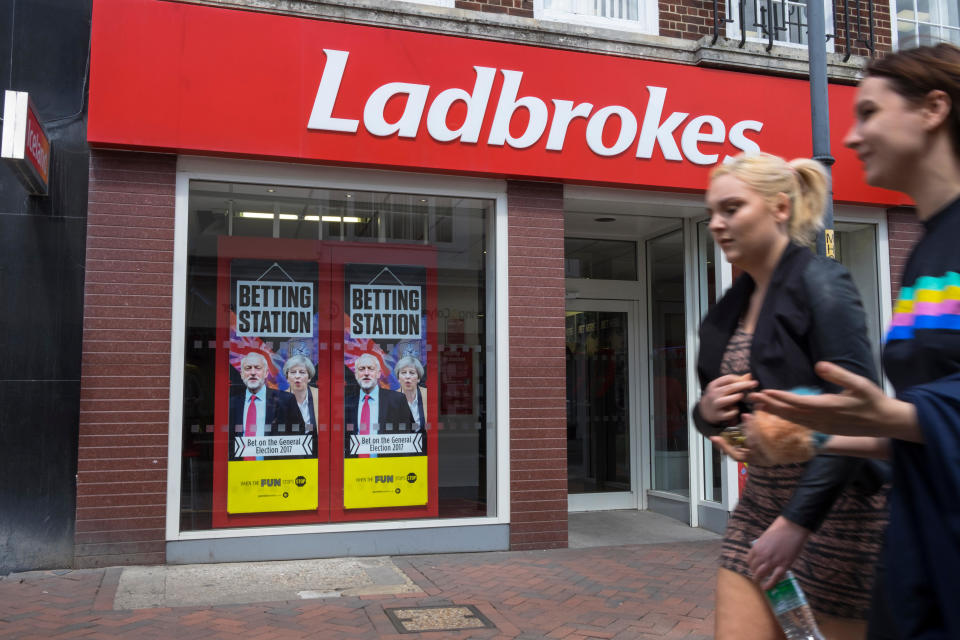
{"type": "Point", "coordinates": [629, 527]}
{"type": "Point", "coordinates": [248, 582]}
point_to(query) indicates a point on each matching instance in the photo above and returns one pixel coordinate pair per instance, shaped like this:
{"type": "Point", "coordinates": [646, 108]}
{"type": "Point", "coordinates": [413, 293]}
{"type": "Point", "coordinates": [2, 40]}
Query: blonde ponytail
{"type": "Point", "coordinates": [803, 181]}
{"type": "Point", "coordinates": [809, 201]}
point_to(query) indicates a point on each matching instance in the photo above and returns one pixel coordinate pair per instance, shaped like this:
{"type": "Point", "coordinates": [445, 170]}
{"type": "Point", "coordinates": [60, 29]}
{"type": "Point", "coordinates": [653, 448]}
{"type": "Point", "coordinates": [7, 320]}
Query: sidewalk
{"type": "Point", "coordinates": [626, 592]}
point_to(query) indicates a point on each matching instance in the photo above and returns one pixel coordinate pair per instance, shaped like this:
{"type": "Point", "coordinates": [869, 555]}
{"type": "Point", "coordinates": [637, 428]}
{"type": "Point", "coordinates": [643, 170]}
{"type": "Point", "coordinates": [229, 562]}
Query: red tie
{"type": "Point", "coordinates": [250, 429]}
{"type": "Point", "coordinates": [365, 421]}
{"type": "Point", "coordinates": [251, 426]}
{"type": "Point", "coordinates": [365, 417]}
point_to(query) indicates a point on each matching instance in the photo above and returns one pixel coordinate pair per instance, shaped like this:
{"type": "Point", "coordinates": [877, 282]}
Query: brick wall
{"type": "Point", "coordinates": [510, 7]}
{"type": "Point", "coordinates": [903, 231]}
{"type": "Point", "coordinates": [538, 443]}
{"type": "Point", "coordinates": [121, 480]}
{"type": "Point", "coordinates": [690, 19]}
{"type": "Point", "coordinates": [860, 28]}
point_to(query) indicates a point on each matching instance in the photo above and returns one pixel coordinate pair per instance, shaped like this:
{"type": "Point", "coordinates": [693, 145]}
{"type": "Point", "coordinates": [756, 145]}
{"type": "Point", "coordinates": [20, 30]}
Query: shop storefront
{"type": "Point", "coordinates": [381, 291]}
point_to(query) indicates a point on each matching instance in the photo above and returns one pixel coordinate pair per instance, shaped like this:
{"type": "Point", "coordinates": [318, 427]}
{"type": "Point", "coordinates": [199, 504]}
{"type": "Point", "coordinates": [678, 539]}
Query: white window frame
{"type": "Point", "coordinates": [733, 28]}
{"type": "Point", "coordinates": [271, 173]}
{"type": "Point", "coordinates": [873, 215]}
{"type": "Point", "coordinates": [436, 3]}
{"type": "Point", "coordinates": [895, 26]}
{"type": "Point", "coordinates": [647, 22]}
{"type": "Point", "coordinates": [894, 31]}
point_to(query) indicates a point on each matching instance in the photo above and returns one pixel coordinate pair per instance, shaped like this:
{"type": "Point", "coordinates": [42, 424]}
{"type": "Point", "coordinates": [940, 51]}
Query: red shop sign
{"type": "Point", "coordinates": [204, 80]}
{"type": "Point", "coordinates": [26, 145]}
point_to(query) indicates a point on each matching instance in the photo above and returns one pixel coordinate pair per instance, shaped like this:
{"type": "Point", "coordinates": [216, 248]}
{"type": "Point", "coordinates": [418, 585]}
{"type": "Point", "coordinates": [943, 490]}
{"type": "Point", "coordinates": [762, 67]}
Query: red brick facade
{"type": "Point", "coordinates": [122, 469]}
{"type": "Point", "coordinates": [903, 231]}
{"type": "Point", "coordinates": [522, 8]}
{"type": "Point", "coordinates": [690, 19]}
{"type": "Point", "coordinates": [538, 443]}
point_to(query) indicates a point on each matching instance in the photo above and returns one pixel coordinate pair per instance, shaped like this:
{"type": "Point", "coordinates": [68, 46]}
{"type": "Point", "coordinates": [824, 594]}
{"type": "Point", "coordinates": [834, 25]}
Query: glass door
{"type": "Point", "coordinates": [668, 364]}
{"type": "Point", "coordinates": [601, 370]}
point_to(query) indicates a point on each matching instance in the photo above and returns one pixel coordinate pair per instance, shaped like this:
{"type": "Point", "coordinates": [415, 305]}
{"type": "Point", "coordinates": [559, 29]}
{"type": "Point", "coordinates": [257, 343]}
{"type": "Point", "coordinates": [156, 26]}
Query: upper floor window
{"type": "Point", "coordinates": [787, 19]}
{"type": "Point", "coordinates": [634, 15]}
{"type": "Point", "coordinates": [926, 21]}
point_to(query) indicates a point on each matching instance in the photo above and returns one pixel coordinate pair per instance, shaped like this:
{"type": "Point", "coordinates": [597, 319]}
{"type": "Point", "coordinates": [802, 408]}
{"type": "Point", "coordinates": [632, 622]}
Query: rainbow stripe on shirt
{"type": "Point", "coordinates": [931, 303]}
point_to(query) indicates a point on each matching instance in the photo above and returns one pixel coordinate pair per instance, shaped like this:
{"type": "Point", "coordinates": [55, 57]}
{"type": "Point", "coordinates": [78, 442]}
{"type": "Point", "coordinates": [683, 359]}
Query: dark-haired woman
{"type": "Point", "coordinates": [824, 520]}
{"type": "Point", "coordinates": [907, 134]}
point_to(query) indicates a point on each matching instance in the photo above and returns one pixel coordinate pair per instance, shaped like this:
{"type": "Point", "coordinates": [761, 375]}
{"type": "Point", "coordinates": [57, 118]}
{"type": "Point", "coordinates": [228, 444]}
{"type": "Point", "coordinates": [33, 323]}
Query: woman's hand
{"type": "Point", "coordinates": [718, 404]}
{"type": "Point", "coordinates": [862, 409]}
{"type": "Point", "coordinates": [774, 552]}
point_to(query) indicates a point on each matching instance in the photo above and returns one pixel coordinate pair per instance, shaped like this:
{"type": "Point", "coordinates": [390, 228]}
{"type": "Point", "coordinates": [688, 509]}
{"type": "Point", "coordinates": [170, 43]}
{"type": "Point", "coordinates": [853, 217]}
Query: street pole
{"type": "Point", "coordinates": [820, 114]}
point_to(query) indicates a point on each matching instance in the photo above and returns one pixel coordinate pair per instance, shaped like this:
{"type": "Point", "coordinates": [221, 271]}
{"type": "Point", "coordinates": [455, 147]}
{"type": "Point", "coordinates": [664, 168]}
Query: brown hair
{"type": "Point", "coordinates": [913, 73]}
{"type": "Point", "coordinates": [802, 180]}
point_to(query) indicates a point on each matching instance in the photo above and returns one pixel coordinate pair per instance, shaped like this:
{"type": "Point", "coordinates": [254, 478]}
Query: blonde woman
{"type": "Point", "coordinates": [823, 519]}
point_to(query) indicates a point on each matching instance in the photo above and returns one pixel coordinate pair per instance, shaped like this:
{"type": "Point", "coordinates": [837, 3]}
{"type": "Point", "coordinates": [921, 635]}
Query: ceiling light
{"type": "Point", "coordinates": [270, 190]}
{"type": "Point", "coordinates": [268, 216]}
{"type": "Point", "coordinates": [349, 195]}
{"type": "Point", "coordinates": [347, 219]}
{"type": "Point", "coordinates": [312, 218]}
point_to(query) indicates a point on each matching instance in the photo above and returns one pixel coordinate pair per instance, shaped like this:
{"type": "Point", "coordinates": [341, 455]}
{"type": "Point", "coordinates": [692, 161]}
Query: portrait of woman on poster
{"type": "Point", "coordinates": [906, 133]}
{"type": "Point", "coordinates": [823, 519]}
{"type": "Point", "coordinates": [409, 372]}
{"type": "Point", "coordinates": [299, 371]}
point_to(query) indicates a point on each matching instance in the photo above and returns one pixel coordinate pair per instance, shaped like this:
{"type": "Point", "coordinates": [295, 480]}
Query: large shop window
{"type": "Point", "coordinates": [668, 363]}
{"type": "Point", "coordinates": [335, 357]}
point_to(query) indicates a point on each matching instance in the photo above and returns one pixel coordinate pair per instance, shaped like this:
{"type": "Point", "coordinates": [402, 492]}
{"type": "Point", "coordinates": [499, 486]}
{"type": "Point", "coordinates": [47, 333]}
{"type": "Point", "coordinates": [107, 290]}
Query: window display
{"type": "Point", "coordinates": [320, 323]}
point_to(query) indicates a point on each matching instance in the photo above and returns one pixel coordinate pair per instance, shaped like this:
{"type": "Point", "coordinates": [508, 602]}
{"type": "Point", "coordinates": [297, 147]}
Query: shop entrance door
{"type": "Point", "coordinates": [601, 414]}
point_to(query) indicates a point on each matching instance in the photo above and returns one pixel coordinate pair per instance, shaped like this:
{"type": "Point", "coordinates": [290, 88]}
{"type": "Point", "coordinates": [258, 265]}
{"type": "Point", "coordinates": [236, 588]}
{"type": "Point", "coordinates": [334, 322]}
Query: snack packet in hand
{"type": "Point", "coordinates": [734, 436]}
{"type": "Point", "coordinates": [781, 441]}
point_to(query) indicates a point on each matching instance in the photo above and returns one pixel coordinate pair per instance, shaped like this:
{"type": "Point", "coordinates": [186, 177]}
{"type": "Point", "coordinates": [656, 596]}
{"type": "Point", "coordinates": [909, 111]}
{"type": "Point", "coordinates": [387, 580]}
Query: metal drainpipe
{"type": "Point", "coordinates": [820, 114]}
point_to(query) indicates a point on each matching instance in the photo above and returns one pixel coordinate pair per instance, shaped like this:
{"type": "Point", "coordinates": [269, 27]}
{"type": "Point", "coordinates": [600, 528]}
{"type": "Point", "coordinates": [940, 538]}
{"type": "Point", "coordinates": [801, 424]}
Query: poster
{"type": "Point", "coordinates": [273, 400]}
{"type": "Point", "coordinates": [386, 400]}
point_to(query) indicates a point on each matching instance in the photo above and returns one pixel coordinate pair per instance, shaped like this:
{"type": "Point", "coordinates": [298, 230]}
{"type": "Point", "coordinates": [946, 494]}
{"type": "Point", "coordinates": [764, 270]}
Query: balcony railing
{"type": "Point", "coordinates": [779, 21]}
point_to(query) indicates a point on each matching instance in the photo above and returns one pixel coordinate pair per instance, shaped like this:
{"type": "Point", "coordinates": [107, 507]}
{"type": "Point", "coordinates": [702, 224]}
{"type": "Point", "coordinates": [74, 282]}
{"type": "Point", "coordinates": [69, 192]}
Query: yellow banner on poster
{"type": "Point", "coordinates": [384, 482]}
{"type": "Point", "coordinates": [260, 486]}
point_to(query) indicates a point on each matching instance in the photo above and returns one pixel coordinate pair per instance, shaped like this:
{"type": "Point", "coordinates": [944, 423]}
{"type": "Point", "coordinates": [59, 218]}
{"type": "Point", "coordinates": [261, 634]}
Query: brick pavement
{"type": "Point", "coordinates": [639, 592]}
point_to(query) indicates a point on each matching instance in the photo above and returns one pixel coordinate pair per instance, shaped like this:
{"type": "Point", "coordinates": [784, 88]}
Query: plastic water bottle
{"type": "Point", "coordinates": [793, 613]}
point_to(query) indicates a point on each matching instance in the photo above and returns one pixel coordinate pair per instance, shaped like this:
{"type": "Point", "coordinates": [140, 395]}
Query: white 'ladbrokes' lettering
{"type": "Point", "coordinates": [655, 129]}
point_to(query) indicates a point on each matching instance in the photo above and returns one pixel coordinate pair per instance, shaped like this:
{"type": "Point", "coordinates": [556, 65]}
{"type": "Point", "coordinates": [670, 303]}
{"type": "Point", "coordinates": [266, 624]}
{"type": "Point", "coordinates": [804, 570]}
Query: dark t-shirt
{"type": "Point", "coordinates": [922, 360]}
{"type": "Point", "coordinates": [923, 343]}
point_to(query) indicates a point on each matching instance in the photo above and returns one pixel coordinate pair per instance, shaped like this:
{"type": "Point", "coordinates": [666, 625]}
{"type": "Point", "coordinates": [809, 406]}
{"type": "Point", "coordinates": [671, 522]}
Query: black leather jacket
{"type": "Point", "coordinates": [811, 312]}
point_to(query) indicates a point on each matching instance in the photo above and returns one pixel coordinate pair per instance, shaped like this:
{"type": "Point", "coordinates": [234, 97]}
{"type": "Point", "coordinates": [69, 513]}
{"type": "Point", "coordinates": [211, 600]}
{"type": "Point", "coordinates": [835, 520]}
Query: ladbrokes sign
{"type": "Point", "coordinates": [658, 129]}
{"type": "Point", "coordinates": [197, 79]}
